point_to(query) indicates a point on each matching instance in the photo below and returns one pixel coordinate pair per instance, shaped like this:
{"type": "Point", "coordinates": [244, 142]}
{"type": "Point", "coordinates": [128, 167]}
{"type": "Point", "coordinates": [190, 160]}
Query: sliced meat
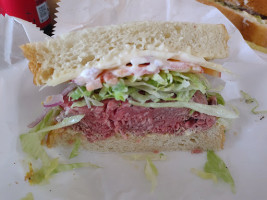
{"type": "Point", "coordinates": [101, 122]}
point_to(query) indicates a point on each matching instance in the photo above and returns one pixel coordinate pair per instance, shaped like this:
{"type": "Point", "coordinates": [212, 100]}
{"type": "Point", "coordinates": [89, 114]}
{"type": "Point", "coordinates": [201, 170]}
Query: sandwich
{"type": "Point", "coordinates": [249, 17]}
{"type": "Point", "coordinates": [135, 87]}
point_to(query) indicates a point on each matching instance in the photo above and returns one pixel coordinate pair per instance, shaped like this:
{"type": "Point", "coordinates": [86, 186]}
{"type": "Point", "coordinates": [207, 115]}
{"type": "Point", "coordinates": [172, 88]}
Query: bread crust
{"type": "Point", "coordinates": [258, 6]}
{"type": "Point", "coordinates": [251, 31]}
{"type": "Point", "coordinates": [212, 139]}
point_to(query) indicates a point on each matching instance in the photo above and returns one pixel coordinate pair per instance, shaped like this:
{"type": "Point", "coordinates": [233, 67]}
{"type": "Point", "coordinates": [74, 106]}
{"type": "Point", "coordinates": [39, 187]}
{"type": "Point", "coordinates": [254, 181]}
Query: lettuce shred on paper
{"type": "Point", "coordinates": [31, 144]}
{"type": "Point", "coordinates": [214, 169]}
{"type": "Point", "coordinates": [29, 196]}
{"type": "Point", "coordinates": [249, 100]}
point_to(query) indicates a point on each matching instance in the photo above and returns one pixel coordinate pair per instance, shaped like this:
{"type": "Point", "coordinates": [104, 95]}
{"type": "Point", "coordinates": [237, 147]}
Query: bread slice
{"type": "Point", "coordinates": [211, 139]}
{"type": "Point", "coordinates": [251, 28]}
{"type": "Point", "coordinates": [63, 58]}
{"type": "Point", "coordinates": [257, 47]}
{"type": "Point", "coordinates": [255, 6]}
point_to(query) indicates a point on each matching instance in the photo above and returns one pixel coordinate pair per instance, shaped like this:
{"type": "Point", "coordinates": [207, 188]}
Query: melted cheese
{"type": "Point", "coordinates": [141, 63]}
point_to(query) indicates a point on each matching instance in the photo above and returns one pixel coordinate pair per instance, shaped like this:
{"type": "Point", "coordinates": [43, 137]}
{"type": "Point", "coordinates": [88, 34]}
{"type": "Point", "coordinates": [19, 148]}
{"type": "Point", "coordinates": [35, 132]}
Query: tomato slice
{"type": "Point", "coordinates": [212, 72]}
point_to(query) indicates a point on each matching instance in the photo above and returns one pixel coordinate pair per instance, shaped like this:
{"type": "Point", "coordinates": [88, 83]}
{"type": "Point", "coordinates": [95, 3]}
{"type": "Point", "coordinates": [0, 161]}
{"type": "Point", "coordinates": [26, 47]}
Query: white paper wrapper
{"type": "Point", "coordinates": [244, 153]}
{"type": "Point", "coordinates": [13, 33]}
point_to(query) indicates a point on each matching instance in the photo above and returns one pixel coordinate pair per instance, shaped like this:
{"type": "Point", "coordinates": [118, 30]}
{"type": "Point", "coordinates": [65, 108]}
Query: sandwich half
{"type": "Point", "coordinates": [249, 17]}
{"type": "Point", "coordinates": [140, 86]}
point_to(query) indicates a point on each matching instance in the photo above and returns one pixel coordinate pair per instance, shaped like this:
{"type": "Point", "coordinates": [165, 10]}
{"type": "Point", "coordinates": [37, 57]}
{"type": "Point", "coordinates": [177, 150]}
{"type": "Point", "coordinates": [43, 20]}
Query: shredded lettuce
{"type": "Point", "coordinates": [249, 100]}
{"type": "Point", "coordinates": [47, 120]}
{"type": "Point", "coordinates": [162, 86]}
{"type": "Point", "coordinates": [41, 175]}
{"type": "Point", "coordinates": [144, 156]}
{"type": "Point", "coordinates": [71, 166]}
{"type": "Point", "coordinates": [197, 83]}
{"type": "Point", "coordinates": [79, 92]}
{"type": "Point", "coordinates": [219, 97]}
{"type": "Point", "coordinates": [214, 110]}
{"type": "Point", "coordinates": [29, 196]}
{"type": "Point", "coordinates": [215, 169]}
{"type": "Point", "coordinates": [65, 122]}
{"type": "Point", "coordinates": [204, 175]}
{"type": "Point", "coordinates": [151, 173]}
{"type": "Point", "coordinates": [216, 166]}
{"type": "Point", "coordinates": [174, 87]}
{"type": "Point", "coordinates": [120, 91]}
{"type": "Point", "coordinates": [78, 104]}
{"type": "Point", "coordinates": [150, 169]}
{"type": "Point", "coordinates": [31, 144]}
{"type": "Point", "coordinates": [75, 150]}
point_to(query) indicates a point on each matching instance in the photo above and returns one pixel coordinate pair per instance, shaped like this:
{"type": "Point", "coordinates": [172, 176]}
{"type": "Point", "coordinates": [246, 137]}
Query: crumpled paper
{"type": "Point", "coordinates": [245, 147]}
{"type": "Point", "coordinates": [13, 33]}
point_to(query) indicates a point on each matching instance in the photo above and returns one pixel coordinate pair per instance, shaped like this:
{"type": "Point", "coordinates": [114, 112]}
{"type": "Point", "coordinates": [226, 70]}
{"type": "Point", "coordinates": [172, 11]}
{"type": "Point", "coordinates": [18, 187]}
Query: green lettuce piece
{"type": "Point", "coordinates": [79, 92]}
{"type": "Point", "coordinates": [145, 156]}
{"type": "Point", "coordinates": [162, 86]}
{"type": "Point", "coordinates": [43, 174]}
{"type": "Point", "coordinates": [65, 122]}
{"type": "Point", "coordinates": [120, 91]}
{"type": "Point", "coordinates": [196, 83]}
{"type": "Point", "coordinates": [204, 175]}
{"type": "Point", "coordinates": [248, 99]}
{"type": "Point", "coordinates": [75, 150]}
{"type": "Point", "coordinates": [78, 104]}
{"type": "Point", "coordinates": [216, 166]}
{"type": "Point", "coordinates": [105, 92]}
{"type": "Point", "coordinates": [160, 79]}
{"type": "Point", "coordinates": [47, 120]}
{"type": "Point", "coordinates": [219, 97]}
{"type": "Point", "coordinates": [214, 110]}
{"type": "Point", "coordinates": [28, 196]}
{"type": "Point", "coordinates": [71, 166]}
{"type": "Point", "coordinates": [31, 144]}
{"type": "Point", "coordinates": [142, 98]}
{"type": "Point", "coordinates": [31, 141]}
{"type": "Point", "coordinates": [183, 96]}
{"type": "Point", "coordinates": [151, 173]}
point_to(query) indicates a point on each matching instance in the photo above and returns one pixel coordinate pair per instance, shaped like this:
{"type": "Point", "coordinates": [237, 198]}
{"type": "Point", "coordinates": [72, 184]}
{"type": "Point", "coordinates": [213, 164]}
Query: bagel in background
{"type": "Point", "coordinates": [249, 17]}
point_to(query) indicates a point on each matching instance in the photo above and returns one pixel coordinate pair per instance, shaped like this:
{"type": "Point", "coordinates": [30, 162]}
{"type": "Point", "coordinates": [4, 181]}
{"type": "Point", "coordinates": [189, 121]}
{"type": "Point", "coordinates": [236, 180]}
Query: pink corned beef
{"type": "Point", "coordinates": [101, 122]}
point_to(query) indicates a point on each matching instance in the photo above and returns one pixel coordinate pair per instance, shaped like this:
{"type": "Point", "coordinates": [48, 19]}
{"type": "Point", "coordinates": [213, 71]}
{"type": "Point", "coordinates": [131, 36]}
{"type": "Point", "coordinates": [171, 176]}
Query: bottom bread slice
{"type": "Point", "coordinates": [211, 139]}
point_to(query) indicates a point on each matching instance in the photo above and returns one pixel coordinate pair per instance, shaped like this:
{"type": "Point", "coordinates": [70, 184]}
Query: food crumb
{"type": "Point", "coordinates": [196, 151]}
{"type": "Point", "coordinates": [156, 151]}
{"type": "Point", "coordinates": [235, 133]}
{"type": "Point", "coordinates": [16, 182]}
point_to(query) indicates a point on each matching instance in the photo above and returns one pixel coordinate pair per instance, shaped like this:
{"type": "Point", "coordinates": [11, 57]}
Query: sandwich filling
{"type": "Point", "coordinates": [144, 96]}
{"type": "Point", "coordinates": [249, 13]}
{"type": "Point", "coordinates": [101, 122]}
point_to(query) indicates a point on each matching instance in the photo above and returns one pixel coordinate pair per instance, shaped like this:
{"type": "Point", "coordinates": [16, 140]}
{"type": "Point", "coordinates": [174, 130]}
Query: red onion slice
{"type": "Point", "coordinates": [68, 89]}
{"type": "Point", "coordinates": [53, 100]}
{"type": "Point", "coordinates": [37, 121]}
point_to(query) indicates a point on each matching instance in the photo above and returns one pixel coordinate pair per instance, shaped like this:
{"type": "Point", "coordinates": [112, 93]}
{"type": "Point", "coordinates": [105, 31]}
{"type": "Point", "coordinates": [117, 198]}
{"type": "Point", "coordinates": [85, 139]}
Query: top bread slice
{"type": "Point", "coordinates": [63, 58]}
